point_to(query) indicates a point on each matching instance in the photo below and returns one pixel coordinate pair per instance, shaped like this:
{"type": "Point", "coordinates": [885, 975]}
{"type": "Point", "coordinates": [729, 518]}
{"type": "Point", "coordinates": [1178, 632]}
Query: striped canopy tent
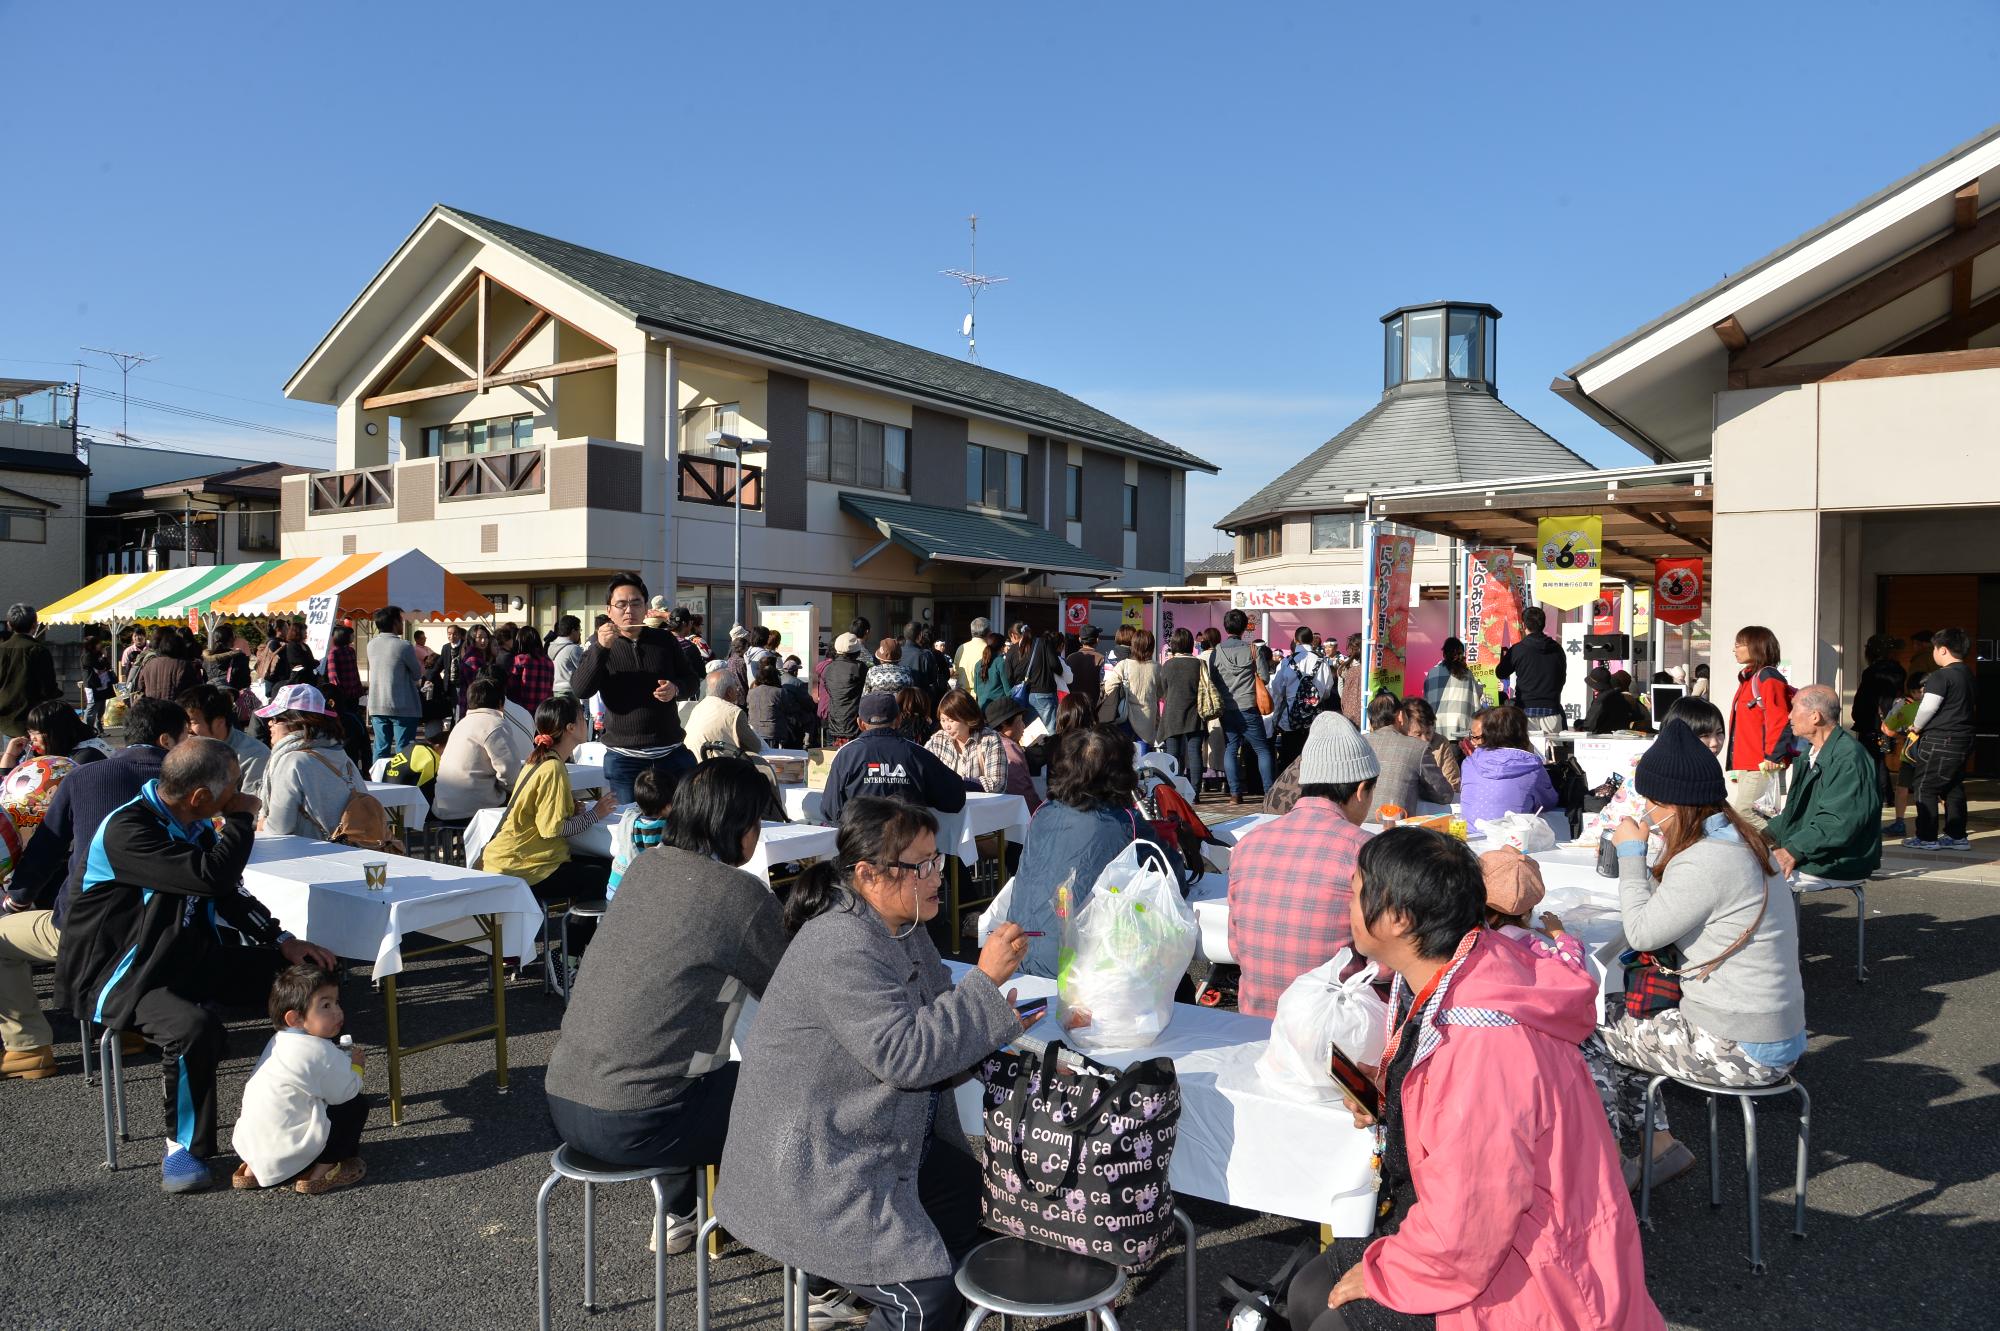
{"type": "Point", "coordinates": [364, 584]}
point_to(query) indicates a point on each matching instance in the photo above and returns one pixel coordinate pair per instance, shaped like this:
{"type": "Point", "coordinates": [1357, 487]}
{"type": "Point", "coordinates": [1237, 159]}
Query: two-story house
{"type": "Point", "coordinates": [535, 415]}
{"type": "Point", "coordinates": [44, 490]}
{"type": "Point", "coordinates": [222, 516]}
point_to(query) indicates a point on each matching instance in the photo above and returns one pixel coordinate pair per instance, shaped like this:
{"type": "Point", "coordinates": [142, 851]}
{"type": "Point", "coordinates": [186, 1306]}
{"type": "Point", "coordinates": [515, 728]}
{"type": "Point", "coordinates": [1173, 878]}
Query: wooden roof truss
{"type": "Point", "coordinates": [486, 368]}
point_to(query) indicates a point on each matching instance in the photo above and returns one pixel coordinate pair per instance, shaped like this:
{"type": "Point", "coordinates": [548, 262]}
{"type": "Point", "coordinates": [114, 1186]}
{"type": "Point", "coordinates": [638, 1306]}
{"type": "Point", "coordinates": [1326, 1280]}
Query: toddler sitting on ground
{"type": "Point", "coordinates": [303, 1109]}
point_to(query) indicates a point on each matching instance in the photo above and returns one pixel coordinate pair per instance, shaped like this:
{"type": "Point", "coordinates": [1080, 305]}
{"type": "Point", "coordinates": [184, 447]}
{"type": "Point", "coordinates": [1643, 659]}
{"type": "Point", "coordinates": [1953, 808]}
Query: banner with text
{"type": "Point", "coordinates": [1132, 612]}
{"type": "Point", "coordinates": [1495, 590]}
{"type": "Point", "coordinates": [1331, 596]}
{"type": "Point", "coordinates": [320, 611]}
{"type": "Point", "coordinates": [1678, 587]}
{"type": "Point", "coordinates": [1607, 610]}
{"type": "Point", "coordinates": [1568, 560]}
{"type": "Point", "coordinates": [1387, 651]}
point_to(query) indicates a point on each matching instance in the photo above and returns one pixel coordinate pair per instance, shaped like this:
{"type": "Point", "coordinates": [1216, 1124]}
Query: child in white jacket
{"type": "Point", "coordinates": [303, 1109]}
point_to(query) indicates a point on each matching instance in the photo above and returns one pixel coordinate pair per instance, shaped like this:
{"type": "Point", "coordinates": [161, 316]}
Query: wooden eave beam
{"type": "Point", "coordinates": [528, 330]}
{"type": "Point", "coordinates": [1664, 525]}
{"type": "Point", "coordinates": [1873, 367]}
{"type": "Point", "coordinates": [1954, 334]}
{"type": "Point", "coordinates": [402, 362]}
{"type": "Point", "coordinates": [456, 361]}
{"type": "Point", "coordinates": [1731, 334]}
{"type": "Point", "coordinates": [1964, 213]}
{"type": "Point", "coordinates": [492, 381]}
{"type": "Point", "coordinates": [1871, 293]}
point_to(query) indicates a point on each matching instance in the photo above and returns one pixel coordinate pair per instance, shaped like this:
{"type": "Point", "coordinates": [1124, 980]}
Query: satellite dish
{"type": "Point", "coordinates": [965, 329]}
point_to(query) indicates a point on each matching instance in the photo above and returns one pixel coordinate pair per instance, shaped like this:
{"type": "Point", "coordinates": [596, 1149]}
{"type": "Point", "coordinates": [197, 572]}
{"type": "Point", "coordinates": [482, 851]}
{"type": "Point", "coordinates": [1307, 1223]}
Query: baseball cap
{"type": "Point", "coordinates": [296, 698]}
{"type": "Point", "coordinates": [880, 709]}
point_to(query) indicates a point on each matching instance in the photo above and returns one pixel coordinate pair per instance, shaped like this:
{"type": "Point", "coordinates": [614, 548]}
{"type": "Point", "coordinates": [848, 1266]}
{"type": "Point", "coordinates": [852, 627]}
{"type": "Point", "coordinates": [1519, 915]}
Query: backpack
{"type": "Point", "coordinates": [1305, 702]}
{"type": "Point", "coordinates": [363, 822]}
{"type": "Point", "coordinates": [1788, 743]}
{"type": "Point", "coordinates": [417, 767]}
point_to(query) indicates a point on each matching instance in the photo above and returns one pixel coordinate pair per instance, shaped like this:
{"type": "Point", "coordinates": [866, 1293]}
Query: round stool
{"type": "Point", "coordinates": [1747, 1097]}
{"type": "Point", "coordinates": [578, 910]}
{"type": "Point", "coordinates": [1803, 884]}
{"type": "Point", "coordinates": [590, 1171]}
{"type": "Point", "coordinates": [1016, 1278]}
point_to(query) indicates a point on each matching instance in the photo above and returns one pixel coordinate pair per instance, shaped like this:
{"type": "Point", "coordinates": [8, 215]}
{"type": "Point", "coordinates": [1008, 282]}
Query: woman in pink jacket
{"type": "Point", "coordinates": [1502, 1201]}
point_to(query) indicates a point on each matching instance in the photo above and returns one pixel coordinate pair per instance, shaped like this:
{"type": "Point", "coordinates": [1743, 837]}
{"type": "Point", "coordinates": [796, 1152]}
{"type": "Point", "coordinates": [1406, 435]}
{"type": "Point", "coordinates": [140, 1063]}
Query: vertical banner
{"type": "Point", "coordinates": [1607, 611]}
{"type": "Point", "coordinates": [319, 623]}
{"type": "Point", "coordinates": [1568, 555]}
{"type": "Point", "coordinates": [1075, 614]}
{"type": "Point", "coordinates": [1495, 591]}
{"type": "Point", "coordinates": [1386, 653]}
{"type": "Point", "coordinates": [1677, 590]}
{"type": "Point", "coordinates": [1133, 612]}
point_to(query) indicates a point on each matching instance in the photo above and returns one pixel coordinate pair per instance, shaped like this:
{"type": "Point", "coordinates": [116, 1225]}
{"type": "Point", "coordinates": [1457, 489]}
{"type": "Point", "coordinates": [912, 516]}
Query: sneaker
{"type": "Point", "coordinates": [1918, 843]}
{"type": "Point", "coordinates": [182, 1172]}
{"type": "Point", "coordinates": [680, 1235]}
{"type": "Point", "coordinates": [29, 1064]}
{"type": "Point", "coordinates": [1669, 1164]}
{"type": "Point", "coordinates": [1896, 831]}
{"type": "Point", "coordinates": [836, 1307]}
{"type": "Point", "coordinates": [1955, 843]}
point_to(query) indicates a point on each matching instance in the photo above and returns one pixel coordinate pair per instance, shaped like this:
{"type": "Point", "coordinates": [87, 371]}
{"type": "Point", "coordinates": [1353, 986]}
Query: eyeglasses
{"type": "Point", "coordinates": [929, 868]}
{"type": "Point", "coordinates": [628, 605]}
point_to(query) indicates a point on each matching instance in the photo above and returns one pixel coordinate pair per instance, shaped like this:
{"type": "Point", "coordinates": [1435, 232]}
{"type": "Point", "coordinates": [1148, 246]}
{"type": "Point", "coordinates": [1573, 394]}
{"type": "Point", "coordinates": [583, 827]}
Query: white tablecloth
{"type": "Point", "coordinates": [781, 843]}
{"type": "Point", "coordinates": [958, 833]}
{"type": "Point", "coordinates": [316, 890]}
{"type": "Point", "coordinates": [416, 809]}
{"type": "Point", "coordinates": [1239, 1143]}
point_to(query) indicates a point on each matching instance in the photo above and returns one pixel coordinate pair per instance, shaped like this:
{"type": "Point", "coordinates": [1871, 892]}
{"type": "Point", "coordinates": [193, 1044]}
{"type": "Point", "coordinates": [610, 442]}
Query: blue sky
{"type": "Point", "coordinates": [1203, 209]}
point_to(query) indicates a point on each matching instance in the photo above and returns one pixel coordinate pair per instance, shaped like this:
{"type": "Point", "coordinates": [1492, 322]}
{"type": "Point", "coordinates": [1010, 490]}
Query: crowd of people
{"type": "Point", "coordinates": [1512, 1105]}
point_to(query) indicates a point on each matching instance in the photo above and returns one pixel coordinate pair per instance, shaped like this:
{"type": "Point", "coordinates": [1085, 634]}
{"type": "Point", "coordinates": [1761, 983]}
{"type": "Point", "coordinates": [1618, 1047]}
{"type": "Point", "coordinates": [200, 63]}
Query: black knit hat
{"type": "Point", "coordinates": [1679, 769]}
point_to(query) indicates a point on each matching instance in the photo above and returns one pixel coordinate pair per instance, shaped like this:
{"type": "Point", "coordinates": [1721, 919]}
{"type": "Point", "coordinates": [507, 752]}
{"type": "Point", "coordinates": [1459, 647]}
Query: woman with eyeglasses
{"type": "Point", "coordinates": [844, 1158]}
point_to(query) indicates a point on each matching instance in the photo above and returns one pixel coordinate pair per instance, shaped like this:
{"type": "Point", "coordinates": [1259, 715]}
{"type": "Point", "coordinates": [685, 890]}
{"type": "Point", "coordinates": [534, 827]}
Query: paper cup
{"type": "Point", "coordinates": [376, 875]}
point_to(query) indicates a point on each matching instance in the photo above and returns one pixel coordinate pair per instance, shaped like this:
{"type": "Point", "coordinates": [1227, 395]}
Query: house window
{"type": "Point", "coordinates": [1335, 531]}
{"type": "Point", "coordinates": [995, 478]}
{"type": "Point", "coordinates": [1263, 542]}
{"type": "Point", "coordinates": [24, 524]}
{"type": "Point", "coordinates": [849, 451]}
{"type": "Point", "coordinates": [462, 437]}
{"type": "Point", "coordinates": [257, 529]}
{"type": "Point", "coordinates": [1073, 493]}
{"type": "Point", "coordinates": [1131, 508]}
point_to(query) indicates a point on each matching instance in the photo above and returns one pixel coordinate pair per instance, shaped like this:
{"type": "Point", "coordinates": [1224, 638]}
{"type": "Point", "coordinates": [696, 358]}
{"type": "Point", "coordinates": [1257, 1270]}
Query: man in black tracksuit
{"type": "Point", "coordinates": [883, 763]}
{"type": "Point", "coordinates": [640, 671]}
{"type": "Point", "coordinates": [160, 928]}
{"type": "Point", "coordinates": [1538, 668]}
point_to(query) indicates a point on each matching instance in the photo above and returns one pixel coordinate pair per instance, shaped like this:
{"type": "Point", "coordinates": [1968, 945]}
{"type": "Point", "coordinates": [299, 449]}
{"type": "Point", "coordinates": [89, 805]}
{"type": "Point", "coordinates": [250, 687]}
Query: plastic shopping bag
{"type": "Point", "coordinates": [1124, 952]}
{"type": "Point", "coordinates": [1525, 832]}
{"type": "Point", "coordinates": [1317, 1013]}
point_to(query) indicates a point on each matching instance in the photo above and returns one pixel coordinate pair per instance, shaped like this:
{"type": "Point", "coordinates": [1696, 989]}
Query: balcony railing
{"type": "Point", "coordinates": [709, 480]}
{"type": "Point", "coordinates": [483, 475]}
{"type": "Point", "coordinates": [351, 491]}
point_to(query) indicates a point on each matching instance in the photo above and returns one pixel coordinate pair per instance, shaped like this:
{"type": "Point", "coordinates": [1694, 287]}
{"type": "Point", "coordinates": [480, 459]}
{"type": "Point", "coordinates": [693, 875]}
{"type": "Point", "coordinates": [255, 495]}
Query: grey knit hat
{"type": "Point", "coordinates": [1335, 754]}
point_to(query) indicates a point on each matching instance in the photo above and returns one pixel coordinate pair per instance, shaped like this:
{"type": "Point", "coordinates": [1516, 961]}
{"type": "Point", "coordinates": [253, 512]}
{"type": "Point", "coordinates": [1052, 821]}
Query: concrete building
{"type": "Point", "coordinates": [555, 404]}
{"type": "Point", "coordinates": [44, 490]}
{"type": "Point", "coordinates": [1846, 388]}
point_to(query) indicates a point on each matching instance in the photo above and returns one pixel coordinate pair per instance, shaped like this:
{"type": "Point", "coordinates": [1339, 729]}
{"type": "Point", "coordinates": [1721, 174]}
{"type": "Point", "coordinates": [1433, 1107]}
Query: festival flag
{"type": "Point", "coordinates": [1678, 588]}
{"type": "Point", "coordinates": [1568, 560]}
{"type": "Point", "coordinates": [1076, 613]}
{"type": "Point", "coordinates": [1495, 590]}
{"type": "Point", "coordinates": [1389, 567]}
{"type": "Point", "coordinates": [1607, 610]}
{"type": "Point", "coordinates": [1133, 612]}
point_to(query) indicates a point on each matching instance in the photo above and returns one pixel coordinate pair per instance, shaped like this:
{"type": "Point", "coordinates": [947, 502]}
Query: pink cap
{"type": "Point", "coordinates": [297, 698]}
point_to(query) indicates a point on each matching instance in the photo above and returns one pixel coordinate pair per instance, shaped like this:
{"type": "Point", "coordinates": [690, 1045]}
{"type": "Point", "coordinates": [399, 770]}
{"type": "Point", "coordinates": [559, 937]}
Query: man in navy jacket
{"type": "Point", "coordinates": [883, 763]}
{"type": "Point", "coordinates": [160, 930]}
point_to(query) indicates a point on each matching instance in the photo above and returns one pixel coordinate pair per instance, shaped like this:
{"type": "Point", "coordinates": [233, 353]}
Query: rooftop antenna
{"type": "Point", "coordinates": [126, 361]}
{"type": "Point", "coordinates": [974, 282]}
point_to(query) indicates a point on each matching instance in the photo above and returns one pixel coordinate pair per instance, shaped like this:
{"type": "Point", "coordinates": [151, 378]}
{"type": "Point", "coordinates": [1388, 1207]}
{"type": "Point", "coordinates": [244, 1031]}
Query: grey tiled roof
{"type": "Point", "coordinates": [963, 535]}
{"type": "Point", "coordinates": [1224, 562]}
{"type": "Point", "coordinates": [1415, 436]}
{"type": "Point", "coordinates": [34, 459]}
{"type": "Point", "coordinates": [674, 303]}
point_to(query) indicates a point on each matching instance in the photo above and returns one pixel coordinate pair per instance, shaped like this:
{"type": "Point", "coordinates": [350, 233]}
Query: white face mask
{"type": "Point", "coordinates": [1656, 841]}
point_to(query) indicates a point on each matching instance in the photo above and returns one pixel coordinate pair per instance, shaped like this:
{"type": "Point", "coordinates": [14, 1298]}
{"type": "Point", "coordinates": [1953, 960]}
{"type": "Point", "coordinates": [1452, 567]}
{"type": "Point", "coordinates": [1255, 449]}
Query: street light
{"type": "Point", "coordinates": [737, 446]}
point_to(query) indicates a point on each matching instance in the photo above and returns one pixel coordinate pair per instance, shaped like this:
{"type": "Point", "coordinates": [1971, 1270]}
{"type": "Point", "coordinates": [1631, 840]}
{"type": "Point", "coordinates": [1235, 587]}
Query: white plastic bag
{"type": "Point", "coordinates": [1124, 952]}
{"type": "Point", "coordinates": [1317, 1013]}
{"type": "Point", "coordinates": [1525, 832]}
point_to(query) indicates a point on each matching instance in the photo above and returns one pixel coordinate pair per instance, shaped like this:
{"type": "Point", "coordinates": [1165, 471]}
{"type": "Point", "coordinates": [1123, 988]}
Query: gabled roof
{"type": "Point", "coordinates": [669, 303]}
{"type": "Point", "coordinates": [1654, 387]}
{"type": "Point", "coordinates": [252, 480]}
{"type": "Point", "coordinates": [970, 538]}
{"type": "Point", "coordinates": [1418, 434]}
{"type": "Point", "coordinates": [1223, 562]}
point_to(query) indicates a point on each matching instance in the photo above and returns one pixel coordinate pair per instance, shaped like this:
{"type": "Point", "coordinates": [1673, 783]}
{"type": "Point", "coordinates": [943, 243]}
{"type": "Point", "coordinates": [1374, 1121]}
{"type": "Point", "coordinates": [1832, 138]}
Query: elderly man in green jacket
{"type": "Point", "coordinates": [1831, 827]}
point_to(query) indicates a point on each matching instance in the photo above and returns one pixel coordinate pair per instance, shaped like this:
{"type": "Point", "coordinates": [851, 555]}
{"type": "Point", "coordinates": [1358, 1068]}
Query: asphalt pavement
{"type": "Point", "coordinates": [1900, 1231]}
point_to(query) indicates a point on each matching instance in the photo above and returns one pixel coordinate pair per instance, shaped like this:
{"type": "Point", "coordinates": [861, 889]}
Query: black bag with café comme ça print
{"type": "Point", "coordinates": [1077, 1152]}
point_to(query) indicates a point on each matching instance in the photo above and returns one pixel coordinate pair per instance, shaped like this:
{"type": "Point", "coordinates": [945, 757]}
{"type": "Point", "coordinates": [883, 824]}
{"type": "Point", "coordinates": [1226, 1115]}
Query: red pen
{"type": "Point", "coordinates": [1033, 933]}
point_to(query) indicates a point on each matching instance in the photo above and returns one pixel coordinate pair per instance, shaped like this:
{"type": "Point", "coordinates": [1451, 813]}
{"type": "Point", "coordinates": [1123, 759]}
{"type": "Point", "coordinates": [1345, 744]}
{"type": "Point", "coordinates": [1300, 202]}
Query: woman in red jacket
{"type": "Point", "coordinates": [1760, 740]}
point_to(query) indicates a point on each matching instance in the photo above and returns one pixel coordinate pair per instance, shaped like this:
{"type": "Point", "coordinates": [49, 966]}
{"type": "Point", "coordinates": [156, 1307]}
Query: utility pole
{"type": "Point", "coordinates": [126, 361]}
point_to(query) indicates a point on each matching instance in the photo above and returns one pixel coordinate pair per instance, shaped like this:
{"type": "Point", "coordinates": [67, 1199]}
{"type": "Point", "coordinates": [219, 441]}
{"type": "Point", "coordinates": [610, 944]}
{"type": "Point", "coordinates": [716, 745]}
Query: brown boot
{"type": "Point", "coordinates": [29, 1064]}
{"type": "Point", "coordinates": [1238, 801]}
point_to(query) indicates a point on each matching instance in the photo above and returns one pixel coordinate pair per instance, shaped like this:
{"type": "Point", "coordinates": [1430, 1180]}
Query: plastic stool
{"type": "Point", "coordinates": [583, 910]}
{"type": "Point", "coordinates": [1858, 888]}
{"type": "Point", "coordinates": [1747, 1097]}
{"type": "Point", "coordinates": [111, 1063]}
{"type": "Point", "coordinates": [590, 1171]}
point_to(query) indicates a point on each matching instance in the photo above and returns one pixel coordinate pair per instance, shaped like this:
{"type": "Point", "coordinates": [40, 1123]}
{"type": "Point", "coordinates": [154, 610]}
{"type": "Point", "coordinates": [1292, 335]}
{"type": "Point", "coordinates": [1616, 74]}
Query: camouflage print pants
{"type": "Point", "coordinates": [1634, 1050]}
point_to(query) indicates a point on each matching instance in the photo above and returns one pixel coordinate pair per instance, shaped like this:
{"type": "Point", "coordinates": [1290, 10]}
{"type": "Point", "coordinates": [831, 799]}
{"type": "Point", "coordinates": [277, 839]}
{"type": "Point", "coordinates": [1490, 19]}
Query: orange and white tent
{"type": "Point", "coordinates": [364, 584]}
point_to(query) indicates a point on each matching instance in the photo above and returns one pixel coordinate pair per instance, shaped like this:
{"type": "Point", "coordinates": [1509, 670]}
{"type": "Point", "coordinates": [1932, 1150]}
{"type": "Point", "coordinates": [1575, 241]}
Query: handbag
{"type": "Point", "coordinates": [1653, 979]}
{"type": "Point", "coordinates": [1264, 704]}
{"type": "Point", "coordinates": [1019, 692]}
{"type": "Point", "coordinates": [1077, 1153]}
{"type": "Point", "coordinates": [1207, 698]}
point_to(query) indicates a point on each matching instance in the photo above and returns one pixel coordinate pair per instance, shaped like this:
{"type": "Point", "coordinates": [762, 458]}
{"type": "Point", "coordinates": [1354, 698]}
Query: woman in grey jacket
{"type": "Point", "coordinates": [1715, 894]}
{"type": "Point", "coordinates": [308, 778]}
{"type": "Point", "coordinates": [845, 1156]}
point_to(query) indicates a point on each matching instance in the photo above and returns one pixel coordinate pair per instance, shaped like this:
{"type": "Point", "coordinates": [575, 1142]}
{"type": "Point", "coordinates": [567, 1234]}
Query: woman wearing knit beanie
{"type": "Point", "coordinates": [1714, 894]}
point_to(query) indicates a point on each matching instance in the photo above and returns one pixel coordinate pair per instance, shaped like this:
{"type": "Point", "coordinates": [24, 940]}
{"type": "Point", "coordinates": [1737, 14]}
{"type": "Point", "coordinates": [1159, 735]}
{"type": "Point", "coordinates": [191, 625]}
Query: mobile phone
{"type": "Point", "coordinates": [1355, 1084]}
{"type": "Point", "coordinates": [1032, 1011]}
